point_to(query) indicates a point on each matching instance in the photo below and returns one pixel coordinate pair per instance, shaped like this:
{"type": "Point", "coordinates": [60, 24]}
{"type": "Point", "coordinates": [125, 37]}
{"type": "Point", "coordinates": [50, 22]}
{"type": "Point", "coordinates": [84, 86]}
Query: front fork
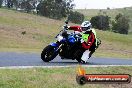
{"type": "Point", "coordinates": [56, 46]}
{"type": "Point", "coordinates": [58, 49]}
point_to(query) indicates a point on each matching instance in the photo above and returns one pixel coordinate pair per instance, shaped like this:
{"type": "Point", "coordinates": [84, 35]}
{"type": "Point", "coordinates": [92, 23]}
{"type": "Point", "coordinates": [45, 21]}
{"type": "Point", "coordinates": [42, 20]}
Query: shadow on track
{"type": "Point", "coordinates": [65, 63]}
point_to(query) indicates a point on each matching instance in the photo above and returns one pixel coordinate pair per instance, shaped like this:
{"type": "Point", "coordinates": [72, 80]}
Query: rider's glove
{"type": "Point", "coordinates": [66, 27]}
{"type": "Point", "coordinates": [82, 40]}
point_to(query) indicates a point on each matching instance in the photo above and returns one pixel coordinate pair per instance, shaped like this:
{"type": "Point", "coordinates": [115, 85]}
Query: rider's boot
{"type": "Point", "coordinates": [85, 56]}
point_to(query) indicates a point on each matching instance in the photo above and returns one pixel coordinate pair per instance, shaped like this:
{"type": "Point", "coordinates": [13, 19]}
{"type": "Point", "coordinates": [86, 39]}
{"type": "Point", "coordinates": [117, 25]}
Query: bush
{"type": "Point", "coordinates": [100, 22]}
{"type": "Point", "coordinates": [76, 17]}
{"type": "Point", "coordinates": [121, 24]}
{"type": "Point", "coordinates": [55, 9]}
{"type": "Point", "coordinates": [23, 33]}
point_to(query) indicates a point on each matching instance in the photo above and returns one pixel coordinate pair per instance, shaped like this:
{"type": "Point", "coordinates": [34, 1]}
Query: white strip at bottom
{"type": "Point", "coordinates": [24, 67]}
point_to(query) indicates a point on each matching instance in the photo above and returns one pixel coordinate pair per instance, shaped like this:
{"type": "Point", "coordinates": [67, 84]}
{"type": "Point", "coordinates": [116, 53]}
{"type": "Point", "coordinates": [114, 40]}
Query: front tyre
{"type": "Point", "coordinates": [48, 53]}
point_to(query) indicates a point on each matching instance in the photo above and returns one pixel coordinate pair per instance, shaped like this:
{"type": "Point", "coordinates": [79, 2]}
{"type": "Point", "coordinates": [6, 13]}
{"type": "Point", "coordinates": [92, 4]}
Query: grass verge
{"type": "Point", "coordinates": [56, 77]}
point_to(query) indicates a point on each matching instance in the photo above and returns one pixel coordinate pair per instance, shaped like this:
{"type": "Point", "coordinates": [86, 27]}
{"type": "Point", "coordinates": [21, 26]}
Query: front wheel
{"type": "Point", "coordinates": [48, 53]}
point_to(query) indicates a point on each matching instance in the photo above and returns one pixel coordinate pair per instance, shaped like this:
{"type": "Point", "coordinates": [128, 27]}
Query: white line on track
{"type": "Point", "coordinates": [24, 67]}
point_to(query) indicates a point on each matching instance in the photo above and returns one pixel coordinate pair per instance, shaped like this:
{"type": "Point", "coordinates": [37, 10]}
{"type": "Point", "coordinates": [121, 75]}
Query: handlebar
{"type": "Point", "coordinates": [66, 25]}
{"type": "Point", "coordinates": [66, 22]}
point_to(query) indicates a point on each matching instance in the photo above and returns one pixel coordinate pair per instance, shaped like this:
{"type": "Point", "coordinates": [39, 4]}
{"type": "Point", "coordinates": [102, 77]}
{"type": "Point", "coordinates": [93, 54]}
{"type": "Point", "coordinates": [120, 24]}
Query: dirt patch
{"type": "Point", "coordinates": [129, 85]}
{"type": "Point", "coordinates": [115, 48]}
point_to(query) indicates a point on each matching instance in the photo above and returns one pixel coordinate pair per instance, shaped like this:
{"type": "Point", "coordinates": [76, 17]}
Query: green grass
{"type": "Point", "coordinates": [55, 77]}
{"type": "Point", "coordinates": [40, 31]}
{"type": "Point", "coordinates": [88, 13]}
{"type": "Point", "coordinates": [111, 13]}
{"type": "Point", "coordinates": [115, 45]}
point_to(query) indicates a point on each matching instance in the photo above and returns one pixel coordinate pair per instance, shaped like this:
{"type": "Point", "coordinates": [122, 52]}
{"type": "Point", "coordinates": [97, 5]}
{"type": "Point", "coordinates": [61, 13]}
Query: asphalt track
{"type": "Point", "coordinates": [33, 59]}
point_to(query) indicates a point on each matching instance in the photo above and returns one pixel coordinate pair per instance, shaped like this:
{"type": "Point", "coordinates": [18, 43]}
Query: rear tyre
{"type": "Point", "coordinates": [81, 61]}
{"type": "Point", "coordinates": [48, 53]}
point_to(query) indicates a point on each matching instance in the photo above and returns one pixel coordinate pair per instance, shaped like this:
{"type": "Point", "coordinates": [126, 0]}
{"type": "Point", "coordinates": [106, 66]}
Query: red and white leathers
{"type": "Point", "coordinates": [88, 41]}
{"type": "Point", "coordinates": [75, 28]}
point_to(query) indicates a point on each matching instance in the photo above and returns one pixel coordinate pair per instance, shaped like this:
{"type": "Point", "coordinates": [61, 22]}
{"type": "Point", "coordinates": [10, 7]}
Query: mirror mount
{"type": "Point", "coordinates": [66, 21]}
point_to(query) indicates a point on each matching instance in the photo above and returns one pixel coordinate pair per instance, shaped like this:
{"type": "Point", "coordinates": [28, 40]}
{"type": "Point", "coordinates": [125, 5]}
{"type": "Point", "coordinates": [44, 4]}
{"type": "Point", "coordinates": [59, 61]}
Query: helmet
{"type": "Point", "coordinates": [86, 25]}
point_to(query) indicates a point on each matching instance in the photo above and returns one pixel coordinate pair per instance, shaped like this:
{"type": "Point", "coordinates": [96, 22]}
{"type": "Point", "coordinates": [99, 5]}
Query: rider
{"type": "Point", "coordinates": [89, 41]}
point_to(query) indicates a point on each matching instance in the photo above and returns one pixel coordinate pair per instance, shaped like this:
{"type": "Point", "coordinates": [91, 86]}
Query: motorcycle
{"type": "Point", "coordinates": [67, 46]}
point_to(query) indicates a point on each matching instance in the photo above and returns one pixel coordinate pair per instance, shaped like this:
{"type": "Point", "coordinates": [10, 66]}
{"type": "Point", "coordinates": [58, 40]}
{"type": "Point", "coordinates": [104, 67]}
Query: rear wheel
{"type": "Point", "coordinates": [48, 53]}
{"type": "Point", "coordinates": [81, 61]}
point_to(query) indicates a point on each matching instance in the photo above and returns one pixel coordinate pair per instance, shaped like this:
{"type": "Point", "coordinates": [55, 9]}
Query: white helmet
{"type": "Point", "coordinates": [86, 25]}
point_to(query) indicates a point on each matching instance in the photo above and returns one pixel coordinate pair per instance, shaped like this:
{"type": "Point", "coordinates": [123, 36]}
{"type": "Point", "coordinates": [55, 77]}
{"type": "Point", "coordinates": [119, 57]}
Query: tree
{"type": "Point", "coordinates": [9, 3]}
{"type": "Point", "coordinates": [16, 3]}
{"type": "Point", "coordinates": [1, 1]}
{"type": "Point", "coordinates": [108, 8]}
{"type": "Point", "coordinates": [100, 22]}
{"type": "Point", "coordinates": [121, 24]}
{"type": "Point", "coordinates": [76, 17]}
{"type": "Point", "coordinates": [26, 6]}
{"type": "Point", "coordinates": [56, 9]}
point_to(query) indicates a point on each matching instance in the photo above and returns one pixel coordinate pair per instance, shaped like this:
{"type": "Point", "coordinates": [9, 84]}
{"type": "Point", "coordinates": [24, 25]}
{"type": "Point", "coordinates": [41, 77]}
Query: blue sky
{"type": "Point", "coordinates": [102, 4]}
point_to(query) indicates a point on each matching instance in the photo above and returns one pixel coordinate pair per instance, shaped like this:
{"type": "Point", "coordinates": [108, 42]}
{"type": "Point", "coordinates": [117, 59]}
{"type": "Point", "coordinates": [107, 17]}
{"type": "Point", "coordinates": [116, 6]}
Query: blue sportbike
{"type": "Point", "coordinates": [67, 46]}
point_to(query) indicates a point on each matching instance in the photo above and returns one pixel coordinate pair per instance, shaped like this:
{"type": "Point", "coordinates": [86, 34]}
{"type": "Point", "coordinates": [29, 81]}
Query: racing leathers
{"type": "Point", "coordinates": [89, 44]}
{"type": "Point", "coordinates": [88, 41]}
